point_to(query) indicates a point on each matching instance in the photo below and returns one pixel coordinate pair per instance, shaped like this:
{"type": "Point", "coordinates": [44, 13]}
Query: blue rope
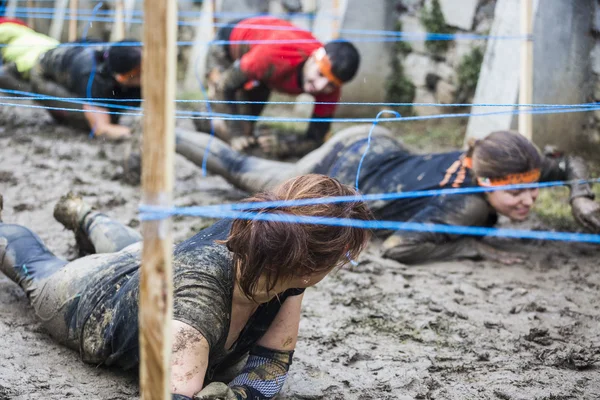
{"type": "Point", "coordinates": [202, 115]}
{"type": "Point", "coordinates": [362, 159]}
{"type": "Point", "coordinates": [341, 103]}
{"type": "Point", "coordinates": [394, 225]}
{"type": "Point", "coordinates": [192, 211]}
{"type": "Point", "coordinates": [406, 38]}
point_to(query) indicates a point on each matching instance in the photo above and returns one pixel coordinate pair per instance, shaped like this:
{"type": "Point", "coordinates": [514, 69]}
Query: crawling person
{"type": "Point", "coordinates": [238, 288]}
{"type": "Point", "coordinates": [33, 62]}
{"type": "Point", "coordinates": [250, 70]}
{"type": "Point", "coordinates": [502, 158]}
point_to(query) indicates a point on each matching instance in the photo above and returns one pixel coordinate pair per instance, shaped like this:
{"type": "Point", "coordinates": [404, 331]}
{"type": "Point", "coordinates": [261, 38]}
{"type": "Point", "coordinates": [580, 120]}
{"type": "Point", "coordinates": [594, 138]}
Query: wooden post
{"type": "Point", "coordinates": [337, 15]}
{"type": "Point", "coordinates": [73, 21]}
{"type": "Point", "coordinates": [30, 20]}
{"type": "Point", "coordinates": [214, 16]}
{"type": "Point", "coordinates": [118, 31]}
{"type": "Point", "coordinates": [526, 83]}
{"type": "Point", "coordinates": [156, 287]}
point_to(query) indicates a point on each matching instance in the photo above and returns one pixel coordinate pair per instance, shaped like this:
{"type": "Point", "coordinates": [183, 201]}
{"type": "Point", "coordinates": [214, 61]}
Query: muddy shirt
{"type": "Point", "coordinates": [203, 280]}
{"type": "Point", "coordinates": [72, 67]}
{"type": "Point", "coordinates": [389, 168]}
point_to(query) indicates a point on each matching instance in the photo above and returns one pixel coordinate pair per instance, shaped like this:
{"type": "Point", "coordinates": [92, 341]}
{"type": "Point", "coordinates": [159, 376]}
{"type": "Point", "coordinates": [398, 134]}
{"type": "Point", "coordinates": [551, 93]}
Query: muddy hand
{"type": "Point", "coordinates": [216, 391]}
{"type": "Point", "coordinates": [242, 143]}
{"type": "Point", "coordinates": [587, 212]}
{"type": "Point", "coordinates": [113, 132]}
{"type": "Point", "coordinates": [488, 252]}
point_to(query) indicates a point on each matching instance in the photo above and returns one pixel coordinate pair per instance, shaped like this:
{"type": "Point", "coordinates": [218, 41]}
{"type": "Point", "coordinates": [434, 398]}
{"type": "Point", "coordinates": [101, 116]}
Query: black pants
{"type": "Point", "coordinates": [55, 287]}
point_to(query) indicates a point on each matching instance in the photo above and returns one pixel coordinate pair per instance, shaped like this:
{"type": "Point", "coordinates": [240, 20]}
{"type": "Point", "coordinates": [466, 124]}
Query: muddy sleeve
{"type": "Point", "coordinates": [557, 167]}
{"type": "Point", "coordinates": [42, 84]}
{"type": "Point", "coordinates": [232, 80]}
{"type": "Point", "coordinates": [200, 300]}
{"type": "Point", "coordinates": [263, 375]}
{"type": "Point", "coordinates": [423, 247]}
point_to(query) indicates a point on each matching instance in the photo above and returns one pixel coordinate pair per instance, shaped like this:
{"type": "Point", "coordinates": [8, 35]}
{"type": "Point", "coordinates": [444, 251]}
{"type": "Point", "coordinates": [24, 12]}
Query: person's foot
{"type": "Point", "coordinates": [70, 211]}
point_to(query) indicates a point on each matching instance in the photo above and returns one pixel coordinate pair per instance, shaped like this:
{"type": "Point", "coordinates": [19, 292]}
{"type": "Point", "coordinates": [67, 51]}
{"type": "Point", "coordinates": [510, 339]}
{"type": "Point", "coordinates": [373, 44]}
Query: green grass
{"type": "Point", "coordinates": [553, 208]}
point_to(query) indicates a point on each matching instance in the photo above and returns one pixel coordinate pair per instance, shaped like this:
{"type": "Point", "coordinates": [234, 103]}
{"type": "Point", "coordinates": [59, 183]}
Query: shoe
{"type": "Point", "coordinates": [70, 211]}
{"type": "Point", "coordinates": [1, 207]}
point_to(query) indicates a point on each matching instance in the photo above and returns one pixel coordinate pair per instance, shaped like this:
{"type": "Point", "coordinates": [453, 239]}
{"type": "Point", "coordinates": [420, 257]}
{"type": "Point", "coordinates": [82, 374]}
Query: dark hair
{"type": "Point", "coordinates": [122, 59]}
{"type": "Point", "coordinates": [345, 59]}
{"type": "Point", "coordinates": [284, 250]}
{"type": "Point", "coordinates": [502, 153]}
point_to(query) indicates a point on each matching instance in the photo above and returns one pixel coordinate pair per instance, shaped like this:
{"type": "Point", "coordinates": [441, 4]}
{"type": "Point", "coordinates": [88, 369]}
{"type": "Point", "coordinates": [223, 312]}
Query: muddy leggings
{"type": "Point", "coordinates": [54, 286]}
{"type": "Point", "coordinates": [254, 174]}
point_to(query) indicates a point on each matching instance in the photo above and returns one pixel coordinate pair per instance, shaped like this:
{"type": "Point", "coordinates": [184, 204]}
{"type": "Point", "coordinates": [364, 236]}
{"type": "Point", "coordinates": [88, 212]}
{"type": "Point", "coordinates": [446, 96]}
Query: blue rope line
{"type": "Point", "coordinates": [411, 38]}
{"type": "Point", "coordinates": [75, 100]}
{"type": "Point", "coordinates": [342, 103]}
{"type": "Point", "coordinates": [249, 206]}
{"type": "Point", "coordinates": [396, 226]}
{"type": "Point", "coordinates": [202, 115]}
{"type": "Point", "coordinates": [362, 159]}
{"type": "Point", "coordinates": [189, 14]}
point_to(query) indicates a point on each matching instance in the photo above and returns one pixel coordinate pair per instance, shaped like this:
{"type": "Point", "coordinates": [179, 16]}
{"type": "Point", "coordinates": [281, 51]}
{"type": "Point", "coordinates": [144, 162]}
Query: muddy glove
{"type": "Point", "coordinates": [587, 212]}
{"type": "Point", "coordinates": [216, 391]}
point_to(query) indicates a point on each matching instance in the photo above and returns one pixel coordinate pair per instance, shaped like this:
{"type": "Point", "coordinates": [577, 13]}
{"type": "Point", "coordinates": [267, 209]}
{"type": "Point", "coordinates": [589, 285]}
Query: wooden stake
{"type": "Point", "coordinates": [30, 19]}
{"type": "Point", "coordinates": [118, 32]}
{"type": "Point", "coordinates": [526, 84]}
{"type": "Point", "coordinates": [73, 21]}
{"type": "Point", "coordinates": [335, 24]}
{"type": "Point", "coordinates": [156, 287]}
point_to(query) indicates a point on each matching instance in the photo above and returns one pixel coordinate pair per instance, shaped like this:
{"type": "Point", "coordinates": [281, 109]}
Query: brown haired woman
{"type": "Point", "coordinates": [499, 159]}
{"type": "Point", "coordinates": [238, 288]}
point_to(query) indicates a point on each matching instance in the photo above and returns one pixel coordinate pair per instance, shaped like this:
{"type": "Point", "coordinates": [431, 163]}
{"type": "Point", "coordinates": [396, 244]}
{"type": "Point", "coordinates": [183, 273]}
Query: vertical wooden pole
{"type": "Point", "coordinates": [337, 15]}
{"type": "Point", "coordinates": [214, 16]}
{"type": "Point", "coordinates": [118, 32]}
{"type": "Point", "coordinates": [156, 287]}
{"type": "Point", "coordinates": [526, 84]}
{"type": "Point", "coordinates": [30, 20]}
{"type": "Point", "coordinates": [73, 20]}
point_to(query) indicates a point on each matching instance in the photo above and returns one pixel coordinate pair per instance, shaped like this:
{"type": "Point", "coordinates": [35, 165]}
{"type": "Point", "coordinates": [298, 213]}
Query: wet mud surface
{"type": "Point", "coordinates": [380, 330]}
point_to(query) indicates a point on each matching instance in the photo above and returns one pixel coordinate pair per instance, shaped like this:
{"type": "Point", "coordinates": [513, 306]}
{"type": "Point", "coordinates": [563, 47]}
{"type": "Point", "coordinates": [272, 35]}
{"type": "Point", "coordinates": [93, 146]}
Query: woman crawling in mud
{"type": "Point", "coordinates": [502, 158]}
{"type": "Point", "coordinates": [238, 288]}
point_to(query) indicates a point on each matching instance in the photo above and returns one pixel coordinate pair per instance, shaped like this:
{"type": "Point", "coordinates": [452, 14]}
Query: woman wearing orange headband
{"type": "Point", "coordinates": [263, 54]}
{"type": "Point", "coordinates": [502, 158]}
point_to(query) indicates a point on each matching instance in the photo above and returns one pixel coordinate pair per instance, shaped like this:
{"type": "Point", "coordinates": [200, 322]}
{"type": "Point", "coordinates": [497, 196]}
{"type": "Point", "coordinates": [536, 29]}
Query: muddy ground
{"type": "Point", "coordinates": [381, 330]}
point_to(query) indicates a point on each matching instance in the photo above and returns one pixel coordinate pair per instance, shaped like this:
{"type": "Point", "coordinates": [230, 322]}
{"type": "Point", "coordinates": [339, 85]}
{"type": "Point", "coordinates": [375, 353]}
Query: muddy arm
{"type": "Point", "coordinates": [232, 80]}
{"type": "Point", "coordinates": [9, 79]}
{"type": "Point", "coordinates": [557, 167]}
{"type": "Point", "coordinates": [423, 247]}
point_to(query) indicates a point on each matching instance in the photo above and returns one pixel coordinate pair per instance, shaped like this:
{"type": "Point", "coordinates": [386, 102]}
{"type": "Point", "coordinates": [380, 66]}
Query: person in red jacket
{"type": "Point", "coordinates": [257, 55]}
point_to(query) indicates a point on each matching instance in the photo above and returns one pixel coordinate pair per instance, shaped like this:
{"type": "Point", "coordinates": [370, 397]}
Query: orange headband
{"type": "Point", "coordinates": [121, 78]}
{"type": "Point", "coordinates": [511, 179]}
{"type": "Point", "coordinates": [324, 64]}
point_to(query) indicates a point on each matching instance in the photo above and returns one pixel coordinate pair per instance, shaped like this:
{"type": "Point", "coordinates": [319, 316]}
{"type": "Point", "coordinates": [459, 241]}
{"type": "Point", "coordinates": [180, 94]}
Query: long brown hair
{"type": "Point", "coordinates": [503, 153]}
{"type": "Point", "coordinates": [283, 250]}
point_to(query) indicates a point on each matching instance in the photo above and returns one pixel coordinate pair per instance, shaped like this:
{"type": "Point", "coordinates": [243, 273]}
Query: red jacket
{"type": "Point", "coordinates": [277, 65]}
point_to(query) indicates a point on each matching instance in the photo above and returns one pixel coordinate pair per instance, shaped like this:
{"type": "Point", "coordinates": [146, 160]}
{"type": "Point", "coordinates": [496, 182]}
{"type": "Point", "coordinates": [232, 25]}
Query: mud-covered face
{"type": "Point", "coordinates": [514, 204]}
{"type": "Point", "coordinates": [313, 81]}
